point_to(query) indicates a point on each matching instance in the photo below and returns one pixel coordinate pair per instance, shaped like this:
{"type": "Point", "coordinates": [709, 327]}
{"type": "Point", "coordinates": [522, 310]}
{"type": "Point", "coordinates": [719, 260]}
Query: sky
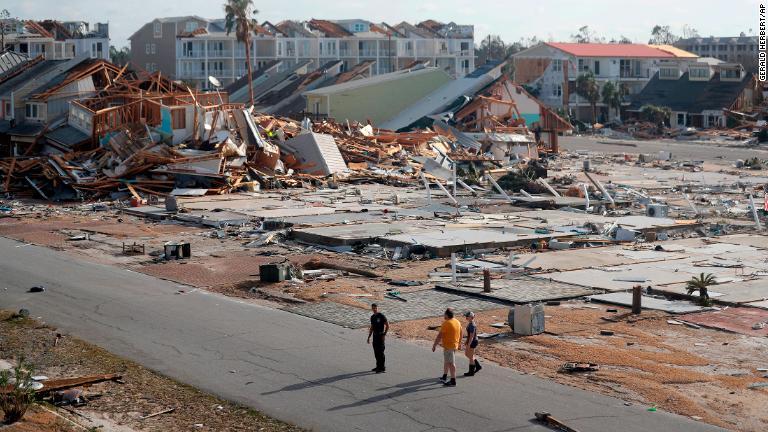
{"type": "Point", "coordinates": [554, 20]}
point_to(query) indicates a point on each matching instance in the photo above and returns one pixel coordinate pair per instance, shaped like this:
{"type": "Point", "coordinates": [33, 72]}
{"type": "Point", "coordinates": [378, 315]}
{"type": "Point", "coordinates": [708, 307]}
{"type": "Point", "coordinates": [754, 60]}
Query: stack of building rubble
{"type": "Point", "coordinates": [149, 136]}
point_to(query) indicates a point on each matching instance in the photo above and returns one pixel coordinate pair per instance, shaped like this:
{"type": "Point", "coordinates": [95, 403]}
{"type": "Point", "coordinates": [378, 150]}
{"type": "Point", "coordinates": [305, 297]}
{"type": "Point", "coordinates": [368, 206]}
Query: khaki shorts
{"type": "Point", "coordinates": [449, 356]}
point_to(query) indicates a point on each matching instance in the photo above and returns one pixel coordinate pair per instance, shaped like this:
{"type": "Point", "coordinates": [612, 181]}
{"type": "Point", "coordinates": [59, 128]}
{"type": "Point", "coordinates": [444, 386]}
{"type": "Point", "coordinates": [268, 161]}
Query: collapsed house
{"type": "Point", "coordinates": [35, 95]}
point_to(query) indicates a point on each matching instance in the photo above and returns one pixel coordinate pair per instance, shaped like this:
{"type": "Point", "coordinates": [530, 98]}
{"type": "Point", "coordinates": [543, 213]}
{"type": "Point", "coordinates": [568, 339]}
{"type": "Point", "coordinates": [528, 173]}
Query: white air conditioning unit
{"type": "Point", "coordinates": [657, 210]}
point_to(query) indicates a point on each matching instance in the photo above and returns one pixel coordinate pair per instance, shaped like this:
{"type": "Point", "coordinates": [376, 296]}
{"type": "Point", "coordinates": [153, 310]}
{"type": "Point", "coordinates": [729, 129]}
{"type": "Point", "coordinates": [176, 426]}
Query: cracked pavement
{"type": "Point", "coordinates": [307, 372]}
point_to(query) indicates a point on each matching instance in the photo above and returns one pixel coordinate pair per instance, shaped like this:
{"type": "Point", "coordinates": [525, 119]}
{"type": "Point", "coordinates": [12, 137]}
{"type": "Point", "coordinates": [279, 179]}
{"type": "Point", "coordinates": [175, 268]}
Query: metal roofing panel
{"type": "Point", "coordinates": [67, 135]}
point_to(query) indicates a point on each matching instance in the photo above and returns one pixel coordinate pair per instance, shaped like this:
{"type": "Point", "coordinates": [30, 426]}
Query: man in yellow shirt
{"type": "Point", "coordinates": [450, 338]}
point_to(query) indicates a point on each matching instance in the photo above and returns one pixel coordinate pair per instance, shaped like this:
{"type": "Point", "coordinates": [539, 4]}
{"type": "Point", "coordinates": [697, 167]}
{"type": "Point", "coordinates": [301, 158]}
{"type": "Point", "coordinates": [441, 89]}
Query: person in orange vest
{"type": "Point", "coordinates": [449, 337]}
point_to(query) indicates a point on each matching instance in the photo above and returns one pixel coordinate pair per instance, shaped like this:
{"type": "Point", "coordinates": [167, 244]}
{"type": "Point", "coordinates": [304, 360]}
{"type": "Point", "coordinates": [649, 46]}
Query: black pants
{"type": "Point", "coordinates": [378, 351]}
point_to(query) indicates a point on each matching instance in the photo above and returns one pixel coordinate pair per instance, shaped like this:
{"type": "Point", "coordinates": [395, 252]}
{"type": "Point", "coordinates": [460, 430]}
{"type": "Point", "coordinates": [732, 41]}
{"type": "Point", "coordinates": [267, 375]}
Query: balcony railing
{"type": "Point", "coordinates": [346, 53]}
{"type": "Point", "coordinates": [632, 74]}
{"type": "Point", "coordinates": [193, 54]}
{"type": "Point", "coordinates": [220, 53]}
{"type": "Point", "coordinates": [368, 53]}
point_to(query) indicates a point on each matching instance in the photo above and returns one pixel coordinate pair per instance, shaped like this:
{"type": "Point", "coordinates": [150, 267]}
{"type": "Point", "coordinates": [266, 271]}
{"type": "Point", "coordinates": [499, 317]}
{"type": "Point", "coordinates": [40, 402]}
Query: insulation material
{"type": "Point", "coordinates": [318, 153]}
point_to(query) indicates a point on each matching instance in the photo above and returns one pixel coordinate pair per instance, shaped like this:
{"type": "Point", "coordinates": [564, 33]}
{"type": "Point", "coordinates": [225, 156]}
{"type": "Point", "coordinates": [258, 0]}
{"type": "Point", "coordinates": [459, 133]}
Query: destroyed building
{"type": "Point", "coordinates": [57, 40]}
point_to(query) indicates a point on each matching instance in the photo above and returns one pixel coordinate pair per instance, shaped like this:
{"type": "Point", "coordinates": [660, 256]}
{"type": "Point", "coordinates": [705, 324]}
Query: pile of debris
{"type": "Point", "coordinates": [142, 138]}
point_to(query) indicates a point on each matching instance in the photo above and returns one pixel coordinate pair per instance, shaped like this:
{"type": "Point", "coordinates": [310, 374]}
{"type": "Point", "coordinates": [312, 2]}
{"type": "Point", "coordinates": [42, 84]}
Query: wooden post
{"type": "Point", "coordinates": [486, 280]}
{"type": "Point", "coordinates": [637, 297]}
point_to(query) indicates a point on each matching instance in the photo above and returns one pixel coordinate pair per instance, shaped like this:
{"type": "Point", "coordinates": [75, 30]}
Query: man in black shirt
{"type": "Point", "coordinates": [379, 329]}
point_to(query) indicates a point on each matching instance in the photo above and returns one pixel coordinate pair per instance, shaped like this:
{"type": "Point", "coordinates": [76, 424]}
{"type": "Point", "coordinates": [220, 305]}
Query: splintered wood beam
{"type": "Point", "coordinates": [8, 175]}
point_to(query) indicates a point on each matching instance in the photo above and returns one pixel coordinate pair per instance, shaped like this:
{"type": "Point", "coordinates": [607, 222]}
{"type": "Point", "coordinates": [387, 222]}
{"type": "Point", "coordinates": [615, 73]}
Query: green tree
{"type": "Point", "coordinates": [613, 95]}
{"type": "Point", "coordinates": [587, 88]}
{"type": "Point", "coordinates": [586, 35]}
{"type": "Point", "coordinates": [238, 18]}
{"type": "Point", "coordinates": [701, 284]}
{"type": "Point", "coordinates": [656, 115]}
{"type": "Point", "coordinates": [120, 56]}
{"type": "Point", "coordinates": [5, 21]}
{"type": "Point", "coordinates": [15, 401]}
{"type": "Point", "coordinates": [662, 35]}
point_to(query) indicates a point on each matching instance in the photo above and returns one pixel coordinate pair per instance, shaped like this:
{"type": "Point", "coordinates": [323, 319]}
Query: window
{"type": "Point", "coordinates": [32, 111]}
{"type": "Point", "coordinates": [698, 73]}
{"type": "Point", "coordinates": [465, 64]}
{"type": "Point", "coordinates": [358, 28]}
{"type": "Point", "coordinates": [680, 119]}
{"type": "Point", "coordinates": [557, 65]}
{"type": "Point", "coordinates": [731, 73]}
{"type": "Point", "coordinates": [320, 47]}
{"type": "Point", "coordinates": [668, 73]}
{"type": "Point", "coordinates": [190, 26]}
{"type": "Point", "coordinates": [178, 118]}
{"type": "Point", "coordinates": [597, 67]}
{"type": "Point", "coordinates": [304, 48]}
{"type": "Point", "coordinates": [7, 109]}
{"type": "Point", "coordinates": [625, 68]}
{"type": "Point", "coordinates": [557, 90]}
{"type": "Point", "coordinates": [154, 67]}
{"type": "Point", "coordinates": [148, 48]}
{"type": "Point", "coordinates": [158, 30]}
{"type": "Point", "coordinates": [154, 48]}
{"type": "Point", "coordinates": [464, 46]}
{"type": "Point", "coordinates": [583, 65]}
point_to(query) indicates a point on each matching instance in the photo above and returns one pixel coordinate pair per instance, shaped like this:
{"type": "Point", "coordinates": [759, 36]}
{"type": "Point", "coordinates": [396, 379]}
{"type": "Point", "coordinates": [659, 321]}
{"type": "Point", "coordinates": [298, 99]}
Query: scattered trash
{"type": "Point", "coordinates": [165, 411]}
{"type": "Point", "coordinates": [571, 367]}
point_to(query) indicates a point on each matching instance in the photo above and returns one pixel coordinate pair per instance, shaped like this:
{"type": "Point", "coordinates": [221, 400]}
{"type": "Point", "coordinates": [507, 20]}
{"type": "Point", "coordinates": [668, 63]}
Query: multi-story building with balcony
{"type": "Point", "coordinates": [739, 49]}
{"type": "Point", "coordinates": [192, 48]}
{"type": "Point", "coordinates": [551, 69]}
{"type": "Point", "coordinates": [57, 40]}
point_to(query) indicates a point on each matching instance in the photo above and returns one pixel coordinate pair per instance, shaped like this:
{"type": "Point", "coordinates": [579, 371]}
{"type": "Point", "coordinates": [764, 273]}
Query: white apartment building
{"type": "Point", "coordinates": [203, 48]}
{"type": "Point", "coordinates": [55, 40]}
{"type": "Point", "coordinates": [552, 68]}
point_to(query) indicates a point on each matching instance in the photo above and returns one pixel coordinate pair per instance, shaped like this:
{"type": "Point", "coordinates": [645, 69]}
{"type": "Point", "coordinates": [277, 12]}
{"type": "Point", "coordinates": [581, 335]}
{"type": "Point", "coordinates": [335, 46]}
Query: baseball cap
{"type": "Point", "coordinates": [469, 314]}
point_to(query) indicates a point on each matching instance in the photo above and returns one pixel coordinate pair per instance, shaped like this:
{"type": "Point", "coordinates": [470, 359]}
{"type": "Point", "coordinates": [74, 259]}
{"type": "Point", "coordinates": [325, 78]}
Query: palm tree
{"type": "Point", "coordinates": [609, 96]}
{"type": "Point", "coordinates": [239, 18]}
{"type": "Point", "coordinates": [613, 96]}
{"type": "Point", "coordinates": [700, 284]}
{"type": "Point", "coordinates": [587, 87]}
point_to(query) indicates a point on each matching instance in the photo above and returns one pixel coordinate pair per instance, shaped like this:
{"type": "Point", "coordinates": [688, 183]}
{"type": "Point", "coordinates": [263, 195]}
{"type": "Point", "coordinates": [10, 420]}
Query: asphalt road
{"type": "Point", "coordinates": [303, 371]}
{"type": "Point", "coordinates": [679, 149]}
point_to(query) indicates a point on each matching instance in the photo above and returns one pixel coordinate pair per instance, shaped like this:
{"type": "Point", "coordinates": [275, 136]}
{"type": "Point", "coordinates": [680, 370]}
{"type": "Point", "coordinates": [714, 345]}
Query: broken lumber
{"type": "Point", "coordinates": [547, 419]}
{"type": "Point", "coordinates": [316, 264]}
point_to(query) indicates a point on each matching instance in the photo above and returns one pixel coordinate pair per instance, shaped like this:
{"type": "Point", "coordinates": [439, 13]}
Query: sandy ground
{"type": "Point", "coordinates": [120, 406]}
{"type": "Point", "coordinates": [699, 373]}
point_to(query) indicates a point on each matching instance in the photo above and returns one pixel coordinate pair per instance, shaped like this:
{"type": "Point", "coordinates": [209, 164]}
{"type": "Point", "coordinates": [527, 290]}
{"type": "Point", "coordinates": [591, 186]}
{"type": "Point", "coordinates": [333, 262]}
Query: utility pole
{"type": "Point", "coordinates": [488, 56]}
